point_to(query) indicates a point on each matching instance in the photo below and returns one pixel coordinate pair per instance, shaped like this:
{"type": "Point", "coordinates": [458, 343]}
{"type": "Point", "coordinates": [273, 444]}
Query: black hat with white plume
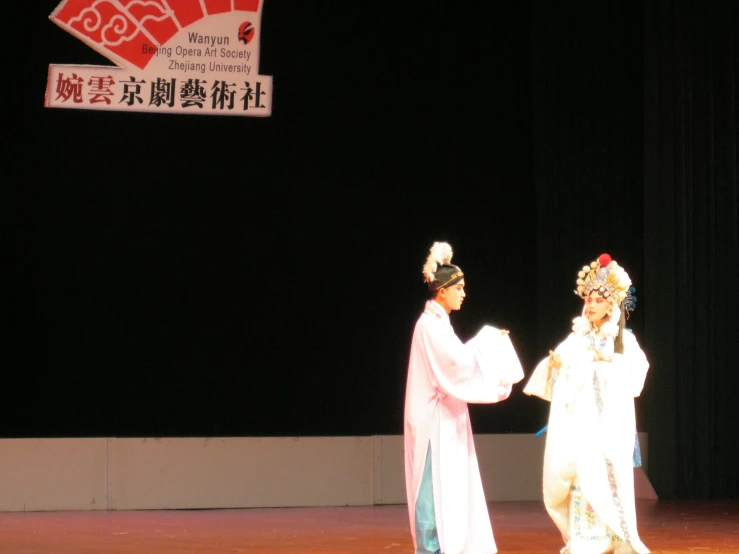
{"type": "Point", "coordinates": [439, 273]}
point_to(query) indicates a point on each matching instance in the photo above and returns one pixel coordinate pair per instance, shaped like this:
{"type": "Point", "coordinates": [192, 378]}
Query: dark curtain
{"type": "Point", "coordinates": [635, 154]}
{"type": "Point", "coordinates": [586, 74]}
{"type": "Point", "coordinates": [690, 268]}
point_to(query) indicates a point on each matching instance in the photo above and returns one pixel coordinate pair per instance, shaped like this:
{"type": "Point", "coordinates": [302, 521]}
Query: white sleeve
{"type": "Point", "coordinates": [540, 383]}
{"type": "Point", "coordinates": [632, 364]}
{"type": "Point", "coordinates": [470, 372]}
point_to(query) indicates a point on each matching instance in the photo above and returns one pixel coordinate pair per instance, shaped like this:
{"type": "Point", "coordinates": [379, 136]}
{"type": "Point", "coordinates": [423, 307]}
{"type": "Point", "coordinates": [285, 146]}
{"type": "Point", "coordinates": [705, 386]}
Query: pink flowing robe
{"type": "Point", "coordinates": [445, 374]}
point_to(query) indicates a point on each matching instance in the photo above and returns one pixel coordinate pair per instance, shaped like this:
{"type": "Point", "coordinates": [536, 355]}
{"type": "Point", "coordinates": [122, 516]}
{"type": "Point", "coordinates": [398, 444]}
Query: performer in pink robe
{"type": "Point", "coordinates": [446, 502]}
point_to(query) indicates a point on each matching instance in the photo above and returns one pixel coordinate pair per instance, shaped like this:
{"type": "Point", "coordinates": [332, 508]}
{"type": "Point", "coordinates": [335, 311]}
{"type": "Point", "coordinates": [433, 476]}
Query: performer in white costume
{"type": "Point", "coordinates": [446, 503]}
{"type": "Point", "coordinates": [591, 380]}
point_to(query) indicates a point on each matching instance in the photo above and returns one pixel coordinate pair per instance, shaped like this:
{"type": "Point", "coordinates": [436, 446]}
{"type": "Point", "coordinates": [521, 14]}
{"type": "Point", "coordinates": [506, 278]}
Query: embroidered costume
{"type": "Point", "coordinates": [588, 480]}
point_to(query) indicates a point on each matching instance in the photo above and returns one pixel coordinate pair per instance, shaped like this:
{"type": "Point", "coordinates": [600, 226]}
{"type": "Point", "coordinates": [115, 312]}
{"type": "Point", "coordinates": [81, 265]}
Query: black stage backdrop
{"type": "Point", "coordinates": [691, 263]}
{"type": "Point", "coordinates": [207, 276]}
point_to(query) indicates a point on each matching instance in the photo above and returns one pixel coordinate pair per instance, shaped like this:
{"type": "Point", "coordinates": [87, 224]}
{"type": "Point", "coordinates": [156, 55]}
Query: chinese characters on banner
{"type": "Point", "coordinates": [173, 56]}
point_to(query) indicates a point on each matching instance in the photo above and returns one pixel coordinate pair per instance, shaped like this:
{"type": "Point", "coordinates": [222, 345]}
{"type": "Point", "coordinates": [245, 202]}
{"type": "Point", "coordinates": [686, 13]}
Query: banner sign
{"type": "Point", "coordinates": [172, 56]}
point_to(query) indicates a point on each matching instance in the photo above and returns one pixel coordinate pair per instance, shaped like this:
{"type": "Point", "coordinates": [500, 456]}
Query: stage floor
{"type": "Point", "coordinates": [519, 527]}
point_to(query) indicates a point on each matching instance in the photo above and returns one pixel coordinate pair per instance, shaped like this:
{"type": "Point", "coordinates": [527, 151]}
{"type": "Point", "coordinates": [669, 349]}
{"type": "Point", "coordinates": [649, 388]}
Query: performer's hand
{"type": "Point", "coordinates": [505, 332]}
{"type": "Point", "coordinates": [555, 360]}
{"type": "Point", "coordinates": [598, 356]}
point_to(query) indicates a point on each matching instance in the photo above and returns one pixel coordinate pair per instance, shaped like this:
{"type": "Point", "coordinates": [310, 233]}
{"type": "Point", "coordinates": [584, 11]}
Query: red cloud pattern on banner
{"type": "Point", "coordinates": [122, 27]}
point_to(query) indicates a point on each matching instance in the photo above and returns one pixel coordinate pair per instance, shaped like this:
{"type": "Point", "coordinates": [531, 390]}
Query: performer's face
{"type": "Point", "coordinates": [451, 298]}
{"type": "Point", "coordinates": [596, 307]}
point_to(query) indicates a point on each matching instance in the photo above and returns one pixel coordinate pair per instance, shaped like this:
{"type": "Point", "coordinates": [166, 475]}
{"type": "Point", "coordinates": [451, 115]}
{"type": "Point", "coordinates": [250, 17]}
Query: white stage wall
{"type": "Point", "coordinates": [240, 472]}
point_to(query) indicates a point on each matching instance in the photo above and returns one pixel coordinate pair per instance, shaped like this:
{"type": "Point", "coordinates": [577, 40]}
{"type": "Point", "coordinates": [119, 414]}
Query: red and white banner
{"type": "Point", "coordinates": [172, 56]}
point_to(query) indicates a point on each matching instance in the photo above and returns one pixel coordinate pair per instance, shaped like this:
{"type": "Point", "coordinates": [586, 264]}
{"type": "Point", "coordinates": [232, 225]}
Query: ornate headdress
{"type": "Point", "coordinates": [438, 272]}
{"type": "Point", "coordinates": [610, 280]}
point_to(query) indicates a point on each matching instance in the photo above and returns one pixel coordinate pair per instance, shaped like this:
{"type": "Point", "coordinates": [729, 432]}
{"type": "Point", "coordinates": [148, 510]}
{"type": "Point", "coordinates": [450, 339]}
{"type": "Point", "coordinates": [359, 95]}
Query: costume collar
{"type": "Point", "coordinates": [434, 308]}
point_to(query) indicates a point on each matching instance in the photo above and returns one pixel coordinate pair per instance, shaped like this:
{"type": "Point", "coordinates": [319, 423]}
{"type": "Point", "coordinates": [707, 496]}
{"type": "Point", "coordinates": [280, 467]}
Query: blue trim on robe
{"type": "Point", "coordinates": [637, 451]}
{"type": "Point", "coordinates": [427, 539]}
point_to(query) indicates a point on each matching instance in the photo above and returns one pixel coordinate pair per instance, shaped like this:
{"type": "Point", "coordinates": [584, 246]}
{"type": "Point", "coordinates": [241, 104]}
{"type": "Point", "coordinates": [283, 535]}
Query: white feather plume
{"type": "Point", "coordinates": [439, 254]}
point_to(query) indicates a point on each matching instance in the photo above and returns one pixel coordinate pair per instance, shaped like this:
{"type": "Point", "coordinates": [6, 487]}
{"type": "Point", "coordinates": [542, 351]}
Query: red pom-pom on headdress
{"type": "Point", "coordinates": [604, 260]}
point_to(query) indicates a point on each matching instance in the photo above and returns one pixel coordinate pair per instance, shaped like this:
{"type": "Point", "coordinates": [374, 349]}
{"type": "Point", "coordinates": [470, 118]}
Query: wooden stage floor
{"type": "Point", "coordinates": [519, 527]}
